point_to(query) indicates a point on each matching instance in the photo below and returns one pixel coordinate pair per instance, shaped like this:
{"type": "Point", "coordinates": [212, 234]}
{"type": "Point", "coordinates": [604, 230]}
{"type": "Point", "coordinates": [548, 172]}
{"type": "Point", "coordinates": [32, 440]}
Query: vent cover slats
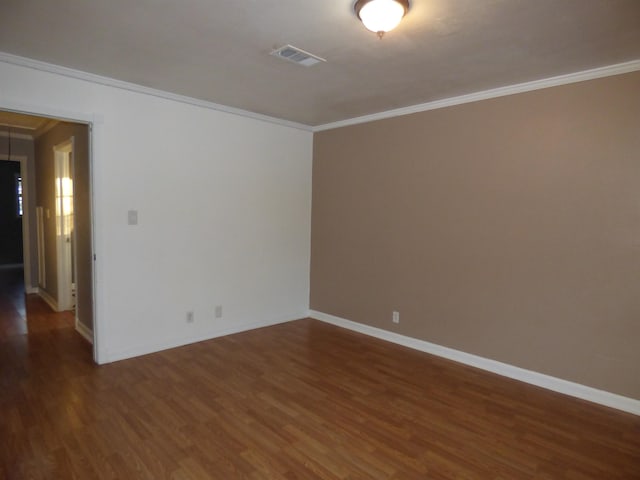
{"type": "Point", "coordinates": [296, 55]}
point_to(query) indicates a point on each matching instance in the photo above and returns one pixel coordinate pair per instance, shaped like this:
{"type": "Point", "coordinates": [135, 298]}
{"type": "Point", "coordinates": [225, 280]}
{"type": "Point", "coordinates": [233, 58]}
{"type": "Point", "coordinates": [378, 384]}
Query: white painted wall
{"type": "Point", "coordinates": [224, 207]}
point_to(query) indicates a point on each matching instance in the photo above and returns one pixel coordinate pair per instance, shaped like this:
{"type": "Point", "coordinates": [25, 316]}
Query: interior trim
{"type": "Point", "coordinates": [14, 136]}
{"type": "Point", "coordinates": [112, 82]}
{"type": "Point", "coordinates": [559, 385]}
{"type": "Point", "coordinates": [607, 71]}
{"type": "Point", "coordinates": [118, 354]}
{"type": "Point", "coordinates": [83, 330]}
{"type": "Point", "coordinates": [44, 295]}
{"type": "Point", "coordinates": [600, 72]}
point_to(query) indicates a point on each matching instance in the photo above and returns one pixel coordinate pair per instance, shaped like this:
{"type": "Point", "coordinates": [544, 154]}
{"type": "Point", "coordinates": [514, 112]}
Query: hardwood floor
{"type": "Point", "coordinates": [302, 400]}
{"type": "Point", "coordinates": [20, 314]}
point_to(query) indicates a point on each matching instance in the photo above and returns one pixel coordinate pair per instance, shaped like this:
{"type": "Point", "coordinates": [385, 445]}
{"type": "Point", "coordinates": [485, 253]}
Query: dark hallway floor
{"type": "Point", "coordinates": [22, 314]}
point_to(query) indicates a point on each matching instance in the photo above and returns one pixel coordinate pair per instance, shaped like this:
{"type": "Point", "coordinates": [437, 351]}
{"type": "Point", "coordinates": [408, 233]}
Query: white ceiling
{"type": "Point", "coordinates": [218, 50]}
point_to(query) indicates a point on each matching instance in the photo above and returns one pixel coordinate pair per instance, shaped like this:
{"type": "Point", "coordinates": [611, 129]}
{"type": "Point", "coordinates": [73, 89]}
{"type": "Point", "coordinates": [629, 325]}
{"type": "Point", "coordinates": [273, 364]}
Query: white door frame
{"type": "Point", "coordinates": [65, 242]}
{"type": "Point", "coordinates": [26, 252]}
{"type": "Point", "coordinates": [95, 122]}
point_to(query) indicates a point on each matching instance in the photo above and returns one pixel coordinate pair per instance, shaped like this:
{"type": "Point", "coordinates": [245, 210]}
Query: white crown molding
{"type": "Point", "coordinates": [45, 127]}
{"type": "Point", "coordinates": [600, 72]}
{"type": "Point", "coordinates": [576, 77]}
{"type": "Point", "coordinates": [566, 387]}
{"type": "Point", "coordinates": [112, 82]}
{"type": "Point", "coordinates": [15, 136]}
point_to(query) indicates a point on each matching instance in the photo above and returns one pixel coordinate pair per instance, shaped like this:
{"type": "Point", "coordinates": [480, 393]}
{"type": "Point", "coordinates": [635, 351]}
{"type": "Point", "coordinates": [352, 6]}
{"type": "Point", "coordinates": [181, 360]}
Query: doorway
{"type": "Point", "coordinates": [65, 231]}
{"type": "Point", "coordinates": [58, 243]}
{"type": "Point", "coordinates": [10, 212]}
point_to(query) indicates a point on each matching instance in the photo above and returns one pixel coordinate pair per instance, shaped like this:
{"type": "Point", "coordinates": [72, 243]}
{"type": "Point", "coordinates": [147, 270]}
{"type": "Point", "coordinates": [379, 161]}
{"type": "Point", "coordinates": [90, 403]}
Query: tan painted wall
{"type": "Point", "coordinates": [507, 228]}
{"type": "Point", "coordinates": [45, 196]}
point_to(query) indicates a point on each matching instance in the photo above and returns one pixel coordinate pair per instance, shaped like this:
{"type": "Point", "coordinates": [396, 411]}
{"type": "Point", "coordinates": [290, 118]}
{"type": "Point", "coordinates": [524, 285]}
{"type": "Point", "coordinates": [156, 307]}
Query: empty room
{"type": "Point", "coordinates": [372, 239]}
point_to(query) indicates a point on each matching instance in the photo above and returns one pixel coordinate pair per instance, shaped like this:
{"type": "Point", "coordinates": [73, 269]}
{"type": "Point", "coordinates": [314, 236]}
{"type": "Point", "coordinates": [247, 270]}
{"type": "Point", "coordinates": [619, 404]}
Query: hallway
{"type": "Point", "coordinates": [22, 314]}
{"type": "Point", "coordinates": [40, 353]}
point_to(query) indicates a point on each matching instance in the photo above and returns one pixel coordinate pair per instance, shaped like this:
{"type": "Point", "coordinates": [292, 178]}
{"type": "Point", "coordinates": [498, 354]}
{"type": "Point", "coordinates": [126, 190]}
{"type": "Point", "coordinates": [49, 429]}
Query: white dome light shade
{"type": "Point", "coordinates": [381, 16]}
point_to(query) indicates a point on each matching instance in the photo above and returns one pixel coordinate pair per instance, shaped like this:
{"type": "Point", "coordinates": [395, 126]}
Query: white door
{"type": "Point", "coordinates": [63, 155]}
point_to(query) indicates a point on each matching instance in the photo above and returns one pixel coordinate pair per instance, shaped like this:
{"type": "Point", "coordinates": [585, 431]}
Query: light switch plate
{"type": "Point", "coordinates": [132, 217]}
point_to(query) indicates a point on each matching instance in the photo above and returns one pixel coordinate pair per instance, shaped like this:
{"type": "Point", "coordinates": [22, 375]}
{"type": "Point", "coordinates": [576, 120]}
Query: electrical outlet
{"type": "Point", "coordinates": [218, 311]}
{"type": "Point", "coordinates": [190, 317]}
{"type": "Point", "coordinates": [395, 318]}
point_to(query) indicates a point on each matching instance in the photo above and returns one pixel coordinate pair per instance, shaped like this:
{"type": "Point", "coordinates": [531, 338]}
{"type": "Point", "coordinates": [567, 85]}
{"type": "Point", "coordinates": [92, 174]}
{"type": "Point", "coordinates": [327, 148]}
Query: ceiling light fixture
{"type": "Point", "coordinates": [381, 16]}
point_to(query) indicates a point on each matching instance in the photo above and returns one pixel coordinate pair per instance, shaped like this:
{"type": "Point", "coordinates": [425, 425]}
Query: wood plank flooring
{"type": "Point", "coordinates": [302, 400]}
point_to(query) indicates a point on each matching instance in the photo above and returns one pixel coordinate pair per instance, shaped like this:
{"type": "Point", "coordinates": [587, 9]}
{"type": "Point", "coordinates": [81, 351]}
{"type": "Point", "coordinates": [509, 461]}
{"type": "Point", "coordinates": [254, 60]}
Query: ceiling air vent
{"type": "Point", "coordinates": [295, 55]}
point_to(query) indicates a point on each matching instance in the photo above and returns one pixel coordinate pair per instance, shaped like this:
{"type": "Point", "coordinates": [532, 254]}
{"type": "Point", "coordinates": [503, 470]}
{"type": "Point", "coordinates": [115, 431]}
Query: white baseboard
{"type": "Point", "coordinates": [49, 299]}
{"type": "Point", "coordinates": [566, 387]}
{"type": "Point", "coordinates": [83, 330]}
{"type": "Point", "coordinates": [145, 349]}
{"type": "Point", "coordinates": [31, 290]}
